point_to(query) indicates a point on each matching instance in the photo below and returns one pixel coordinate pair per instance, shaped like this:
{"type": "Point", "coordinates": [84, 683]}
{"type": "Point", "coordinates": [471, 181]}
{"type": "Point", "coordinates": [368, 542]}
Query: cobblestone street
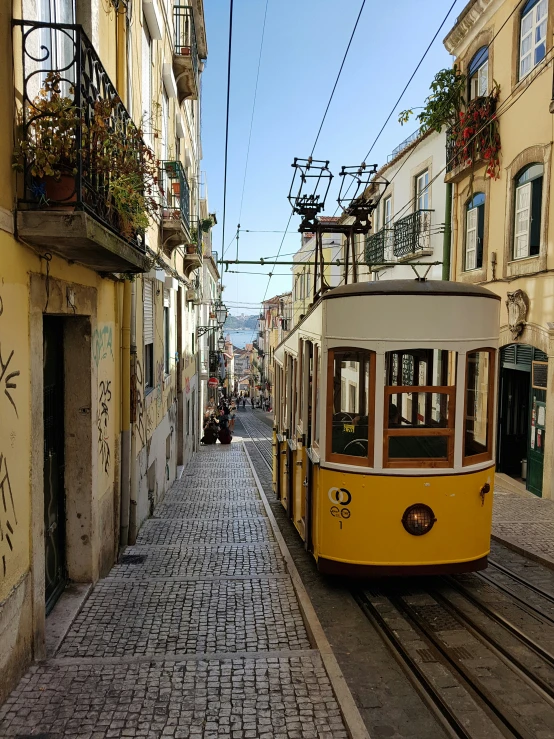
{"type": "Point", "coordinates": [197, 632]}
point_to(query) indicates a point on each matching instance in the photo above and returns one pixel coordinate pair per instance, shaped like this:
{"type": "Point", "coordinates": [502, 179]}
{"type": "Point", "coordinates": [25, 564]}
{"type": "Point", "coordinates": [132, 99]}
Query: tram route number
{"type": "Point", "coordinates": [342, 497]}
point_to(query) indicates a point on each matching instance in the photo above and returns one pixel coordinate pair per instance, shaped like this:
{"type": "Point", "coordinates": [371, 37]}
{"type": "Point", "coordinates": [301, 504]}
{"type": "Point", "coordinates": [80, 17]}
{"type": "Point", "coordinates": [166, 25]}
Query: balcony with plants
{"type": "Point", "coordinates": [87, 182]}
{"type": "Point", "coordinates": [185, 53]}
{"type": "Point", "coordinates": [472, 129]}
{"type": "Point", "coordinates": [175, 193]}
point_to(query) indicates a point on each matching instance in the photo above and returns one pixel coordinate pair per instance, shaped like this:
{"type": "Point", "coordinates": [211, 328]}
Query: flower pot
{"type": "Point", "coordinates": [176, 187]}
{"type": "Point", "coordinates": [185, 50]}
{"type": "Point", "coordinates": [191, 248]}
{"type": "Point", "coordinates": [61, 193]}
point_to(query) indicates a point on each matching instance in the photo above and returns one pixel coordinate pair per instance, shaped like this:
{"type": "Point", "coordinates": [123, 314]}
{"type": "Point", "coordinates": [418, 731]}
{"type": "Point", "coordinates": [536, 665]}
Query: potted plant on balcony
{"type": "Point", "coordinates": [191, 248]}
{"type": "Point", "coordinates": [46, 149]}
{"type": "Point", "coordinates": [116, 157]}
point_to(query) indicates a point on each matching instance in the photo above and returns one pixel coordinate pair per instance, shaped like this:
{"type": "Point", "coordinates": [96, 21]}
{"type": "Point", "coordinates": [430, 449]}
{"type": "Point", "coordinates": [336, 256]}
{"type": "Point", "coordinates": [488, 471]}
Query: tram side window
{"type": "Point", "coordinates": [317, 362]}
{"type": "Point", "coordinates": [351, 421]}
{"type": "Point", "coordinates": [478, 403]}
{"type": "Point", "coordinates": [419, 408]}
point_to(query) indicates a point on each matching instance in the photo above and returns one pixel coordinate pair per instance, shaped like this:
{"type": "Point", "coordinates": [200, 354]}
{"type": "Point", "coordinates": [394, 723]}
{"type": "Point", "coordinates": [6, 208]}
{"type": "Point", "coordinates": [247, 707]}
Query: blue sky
{"type": "Point", "coordinates": [303, 47]}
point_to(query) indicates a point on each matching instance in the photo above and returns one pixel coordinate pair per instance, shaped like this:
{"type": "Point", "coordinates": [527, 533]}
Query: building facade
{"type": "Point", "coordinates": [502, 216]}
{"type": "Point", "coordinates": [408, 224]}
{"type": "Point", "coordinates": [303, 271]}
{"type": "Point", "coordinates": [99, 232]}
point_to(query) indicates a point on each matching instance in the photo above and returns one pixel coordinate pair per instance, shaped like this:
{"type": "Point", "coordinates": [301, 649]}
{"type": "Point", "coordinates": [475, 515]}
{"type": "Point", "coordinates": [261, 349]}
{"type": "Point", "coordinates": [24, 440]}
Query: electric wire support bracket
{"type": "Point", "coordinates": [307, 194]}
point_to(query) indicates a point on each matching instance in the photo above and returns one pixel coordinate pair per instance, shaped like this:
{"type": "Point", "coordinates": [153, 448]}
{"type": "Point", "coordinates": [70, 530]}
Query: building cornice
{"type": "Point", "coordinates": [465, 24]}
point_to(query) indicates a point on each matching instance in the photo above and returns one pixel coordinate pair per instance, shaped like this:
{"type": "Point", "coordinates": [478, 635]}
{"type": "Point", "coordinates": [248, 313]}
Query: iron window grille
{"type": "Point", "coordinates": [71, 58]}
{"type": "Point", "coordinates": [412, 234]}
{"type": "Point", "coordinates": [175, 192]}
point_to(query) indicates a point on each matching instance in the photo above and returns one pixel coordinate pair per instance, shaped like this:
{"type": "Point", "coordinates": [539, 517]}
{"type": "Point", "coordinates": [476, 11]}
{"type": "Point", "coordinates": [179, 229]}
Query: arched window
{"type": "Point", "coordinates": [528, 211]}
{"type": "Point", "coordinates": [478, 73]}
{"type": "Point", "coordinates": [475, 231]}
{"type": "Point", "coordinates": [532, 37]}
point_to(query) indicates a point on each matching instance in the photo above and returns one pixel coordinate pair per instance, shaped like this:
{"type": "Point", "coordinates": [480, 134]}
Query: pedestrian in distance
{"type": "Point", "coordinates": [232, 418]}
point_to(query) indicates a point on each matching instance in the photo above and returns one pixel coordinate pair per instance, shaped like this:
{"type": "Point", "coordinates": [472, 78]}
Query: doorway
{"type": "Point", "coordinates": [522, 412]}
{"type": "Point", "coordinates": [54, 460]}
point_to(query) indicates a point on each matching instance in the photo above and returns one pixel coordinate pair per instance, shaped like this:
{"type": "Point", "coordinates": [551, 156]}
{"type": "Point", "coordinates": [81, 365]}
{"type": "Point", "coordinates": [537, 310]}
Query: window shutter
{"type": "Point", "coordinates": [166, 297]}
{"type": "Point", "coordinates": [148, 312]}
{"type": "Point", "coordinates": [471, 238]}
{"type": "Point", "coordinates": [521, 226]}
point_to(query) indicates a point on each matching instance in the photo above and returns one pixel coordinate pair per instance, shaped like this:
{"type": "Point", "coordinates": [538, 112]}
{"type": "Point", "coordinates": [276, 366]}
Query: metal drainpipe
{"type": "Point", "coordinates": [447, 240]}
{"type": "Point", "coordinates": [133, 460]}
{"type": "Point", "coordinates": [125, 413]}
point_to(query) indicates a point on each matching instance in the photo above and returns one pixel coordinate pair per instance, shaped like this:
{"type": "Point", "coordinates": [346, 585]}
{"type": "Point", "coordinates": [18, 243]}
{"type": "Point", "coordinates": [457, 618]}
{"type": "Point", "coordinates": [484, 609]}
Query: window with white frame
{"type": "Point", "coordinates": [478, 73]}
{"type": "Point", "coordinates": [475, 228]}
{"type": "Point", "coordinates": [528, 211]}
{"type": "Point", "coordinates": [387, 211]}
{"type": "Point", "coordinates": [422, 190]}
{"type": "Point", "coordinates": [58, 47]}
{"type": "Point", "coordinates": [532, 40]}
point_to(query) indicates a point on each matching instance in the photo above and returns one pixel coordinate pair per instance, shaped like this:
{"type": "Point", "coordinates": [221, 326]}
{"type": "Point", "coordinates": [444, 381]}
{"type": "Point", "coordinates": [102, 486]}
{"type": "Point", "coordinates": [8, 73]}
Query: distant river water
{"type": "Point", "coordinates": [241, 338]}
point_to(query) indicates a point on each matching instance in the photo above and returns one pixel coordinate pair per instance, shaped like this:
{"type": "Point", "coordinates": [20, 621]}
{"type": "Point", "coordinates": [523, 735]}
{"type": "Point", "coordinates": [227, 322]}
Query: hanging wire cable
{"type": "Point", "coordinates": [320, 129]}
{"type": "Point", "coordinates": [227, 127]}
{"type": "Point", "coordinates": [253, 109]}
{"type": "Point", "coordinates": [338, 76]}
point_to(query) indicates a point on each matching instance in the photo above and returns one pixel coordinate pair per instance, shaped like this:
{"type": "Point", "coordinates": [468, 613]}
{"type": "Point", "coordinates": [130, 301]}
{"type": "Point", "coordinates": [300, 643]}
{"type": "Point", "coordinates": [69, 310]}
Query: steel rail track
{"type": "Point", "coordinates": [502, 620]}
{"type": "Point", "coordinates": [254, 425]}
{"type": "Point", "coordinates": [439, 707]}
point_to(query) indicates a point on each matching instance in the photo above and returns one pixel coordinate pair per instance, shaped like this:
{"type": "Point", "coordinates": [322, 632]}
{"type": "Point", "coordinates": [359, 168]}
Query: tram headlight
{"type": "Point", "coordinates": [418, 519]}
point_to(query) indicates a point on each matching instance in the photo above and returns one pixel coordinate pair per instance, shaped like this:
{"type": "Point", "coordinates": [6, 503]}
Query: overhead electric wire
{"type": "Point", "coordinates": [338, 76]}
{"type": "Point", "coordinates": [253, 110]}
{"type": "Point", "coordinates": [229, 62]}
{"type": "Point", "coordinates": [320, 129]}
{"type": "Point", "coordinates": [501, 110]}
{"type": "Point", "coordinates": [487, 47]}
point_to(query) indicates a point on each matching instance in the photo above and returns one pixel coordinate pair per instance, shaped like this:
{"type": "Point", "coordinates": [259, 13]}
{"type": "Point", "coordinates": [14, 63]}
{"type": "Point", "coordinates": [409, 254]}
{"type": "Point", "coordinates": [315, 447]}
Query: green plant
{"type": "Point", "coordinates": [444, 104]}
{"type": "Point", "coordinates": [472, 127]}
{"type": "Point", "coordinates": [47, 142]}
{"type": "Point", "coordinates": [206, 224]}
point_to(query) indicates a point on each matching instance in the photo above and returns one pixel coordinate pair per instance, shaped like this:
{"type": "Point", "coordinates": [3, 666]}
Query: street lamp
{"type": "Point", "coordinates": [221, 312]}
{"type": "Point", "coordinates": [221, 343]}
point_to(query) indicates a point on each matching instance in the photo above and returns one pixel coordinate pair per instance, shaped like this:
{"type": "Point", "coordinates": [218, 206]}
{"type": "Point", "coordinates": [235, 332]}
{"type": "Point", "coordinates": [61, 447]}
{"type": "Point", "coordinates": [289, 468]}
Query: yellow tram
{"type": "Point", "coordinates": [384, 437]}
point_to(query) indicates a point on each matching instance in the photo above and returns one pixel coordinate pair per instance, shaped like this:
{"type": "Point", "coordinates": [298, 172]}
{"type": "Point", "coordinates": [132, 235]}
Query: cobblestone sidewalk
{"type": "Point", "coordinates": [525, 524]}
{"type": "Point", "coordinates": [195, 633]}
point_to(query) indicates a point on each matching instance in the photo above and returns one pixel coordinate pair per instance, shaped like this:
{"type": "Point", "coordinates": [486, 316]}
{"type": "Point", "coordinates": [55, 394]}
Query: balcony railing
{"type": "Point", "coordinates": [379, 247]}
{"type": "Point", "coordinates": [412, 234]}
{"type": "Point", "coordinates": [474, 137]}
{"type": "Point", "coordinates": [175, 193]}
{"type": "Point", "coordinates": [410, 140]}
{"type": "Point", "coordinates": [185, 51]}
{"type": "Point", "coordinates": [66, 93]}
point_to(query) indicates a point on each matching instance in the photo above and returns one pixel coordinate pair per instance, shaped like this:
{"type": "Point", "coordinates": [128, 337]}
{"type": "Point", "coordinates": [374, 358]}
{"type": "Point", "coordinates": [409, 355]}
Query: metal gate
{"type": "Point", "coordinates": [54, 492]}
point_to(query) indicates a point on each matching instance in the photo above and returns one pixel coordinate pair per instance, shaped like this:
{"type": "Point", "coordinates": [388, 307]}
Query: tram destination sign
{"type": "Point", "coordinates": [539, 374]}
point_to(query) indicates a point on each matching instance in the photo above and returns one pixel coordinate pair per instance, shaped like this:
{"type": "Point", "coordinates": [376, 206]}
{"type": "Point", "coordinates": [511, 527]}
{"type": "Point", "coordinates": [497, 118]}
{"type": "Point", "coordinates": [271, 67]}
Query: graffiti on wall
{"type": "Point", "coordinates": [103, 419]}
{"type": "Point", "coordinates": [8, 516]}
{"type": "Point", "coordinates": [102, 344]}
{"type": "Point", "coordinates": [139, 402]}
{"type": "Point", "coordinates": [7, 379]}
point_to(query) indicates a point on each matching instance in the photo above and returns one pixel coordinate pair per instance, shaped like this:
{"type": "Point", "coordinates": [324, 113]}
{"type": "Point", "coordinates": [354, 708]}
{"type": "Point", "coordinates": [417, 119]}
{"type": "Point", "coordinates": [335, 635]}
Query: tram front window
{"type": "Point", "coordinates": [419, 407]}
{"type": "Point", "coordinates": [351, 395]}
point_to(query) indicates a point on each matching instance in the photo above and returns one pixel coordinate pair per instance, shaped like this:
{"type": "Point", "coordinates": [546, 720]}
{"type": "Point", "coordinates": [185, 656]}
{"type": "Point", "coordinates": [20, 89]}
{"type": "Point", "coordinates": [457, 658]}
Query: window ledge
{"type": "Point", "coordinates": [525, 265]}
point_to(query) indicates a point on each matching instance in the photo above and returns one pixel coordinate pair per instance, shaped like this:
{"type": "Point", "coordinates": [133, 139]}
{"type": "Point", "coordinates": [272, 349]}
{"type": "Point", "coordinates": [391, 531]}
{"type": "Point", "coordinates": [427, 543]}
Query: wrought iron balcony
{"type": "Point", "coordinates": [185, 53]}
{"type": "Point", "coordinates": [474, 138]}
{"type": "Point", "coordinates": [412, 234]}
{"type": "Point", "coordinates": [379, 247]}
{"type": "Point", "coordinates": [73, 125]}
{"type": "Point", "coordinates": [175, 193]}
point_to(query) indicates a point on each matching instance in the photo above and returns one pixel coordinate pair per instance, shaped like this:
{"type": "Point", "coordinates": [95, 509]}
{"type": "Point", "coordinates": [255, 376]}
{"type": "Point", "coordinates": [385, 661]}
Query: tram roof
{"type": "Point", "coordinates": [410, 287]}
